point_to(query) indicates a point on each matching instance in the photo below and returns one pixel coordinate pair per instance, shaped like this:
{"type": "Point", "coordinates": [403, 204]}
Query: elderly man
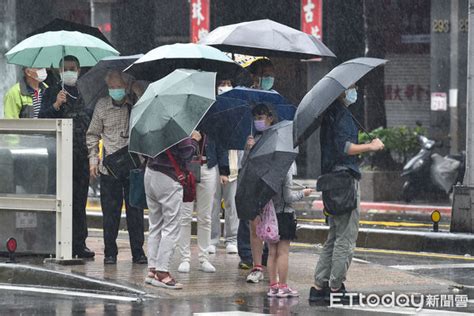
{"type": "Point", "coordinates": [110, 122]}
{"type": "Point", "coordinates": [23, 100]}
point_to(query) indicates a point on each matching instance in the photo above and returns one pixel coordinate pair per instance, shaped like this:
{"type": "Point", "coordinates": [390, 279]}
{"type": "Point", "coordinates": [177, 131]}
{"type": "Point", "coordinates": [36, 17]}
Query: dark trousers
{"type": "Point", "coordinates": [243, 244]}
{"type": "Point", "coordinates": [80, 187]}
{"type": "Point", "coordinates": [112, 194]}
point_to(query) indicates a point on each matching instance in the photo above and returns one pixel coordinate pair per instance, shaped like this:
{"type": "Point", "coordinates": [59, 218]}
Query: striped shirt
{"type": "Point", "coordinates": [37, 95]}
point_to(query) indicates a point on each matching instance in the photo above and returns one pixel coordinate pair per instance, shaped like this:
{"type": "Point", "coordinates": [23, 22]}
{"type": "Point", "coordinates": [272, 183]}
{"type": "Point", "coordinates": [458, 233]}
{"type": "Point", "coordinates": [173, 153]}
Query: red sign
{"type": "Point", "coordinates": [200, 22]}
{"type": "Point", "coordinates": [312, 17]}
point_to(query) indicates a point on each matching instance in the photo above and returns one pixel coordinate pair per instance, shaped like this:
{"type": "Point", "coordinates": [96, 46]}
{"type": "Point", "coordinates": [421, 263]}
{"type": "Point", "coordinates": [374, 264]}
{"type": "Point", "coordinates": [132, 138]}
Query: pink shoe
{"type": "Point", "coordinates": [273, 290]}
{"type": "Point", "coordinates": [286, 291]}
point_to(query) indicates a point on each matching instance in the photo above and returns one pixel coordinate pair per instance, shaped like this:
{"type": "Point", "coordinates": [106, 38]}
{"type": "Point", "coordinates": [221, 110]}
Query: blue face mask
{"type": "Point", "coordinates": [266, 83]}
{"type": "Point", "coordinates": [351, 96]}
{"type": "Point", "coordinates": [117, 94]}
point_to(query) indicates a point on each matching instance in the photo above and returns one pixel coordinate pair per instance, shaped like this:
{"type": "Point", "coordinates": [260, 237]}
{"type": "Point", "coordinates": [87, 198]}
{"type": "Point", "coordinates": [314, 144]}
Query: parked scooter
{"type": "Point", "coordinates": [430, 172]}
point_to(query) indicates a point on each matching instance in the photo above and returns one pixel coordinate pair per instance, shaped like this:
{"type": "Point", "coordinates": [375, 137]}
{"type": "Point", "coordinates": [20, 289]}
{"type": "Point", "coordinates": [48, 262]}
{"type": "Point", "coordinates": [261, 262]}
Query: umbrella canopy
{"type": "Point", "coordinates": [47, 49]}
{"type": "Point", "coordinates": [230, 119]}
{"type": "Point", "coordinates": [92, 85]}
{"type": "Point", "coordinates": [265, 170]}
{"type": "Point", "coordinates": [284, 109]}
{"type": "Point", "coordinates": [169, 110]}
{"type": "Point", "coordinates": [326, 91]}
{"type": "Point", "coordinates": [162, 60]}
{"type": "Point", "coordinates": [266, 38]}
{"type": "Point", "coordinates": [64, 25]}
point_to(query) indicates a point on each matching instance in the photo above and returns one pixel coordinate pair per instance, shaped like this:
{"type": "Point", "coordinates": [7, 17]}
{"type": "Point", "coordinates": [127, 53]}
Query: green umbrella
{"type": "Point", "coordinates": [47, 49]}
{"type": "Point", "coordinates": [170, 109]}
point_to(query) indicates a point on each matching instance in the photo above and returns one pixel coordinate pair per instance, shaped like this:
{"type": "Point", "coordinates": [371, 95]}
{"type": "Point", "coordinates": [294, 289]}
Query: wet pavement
{"type": "Point", "coordinates": [373, 271]}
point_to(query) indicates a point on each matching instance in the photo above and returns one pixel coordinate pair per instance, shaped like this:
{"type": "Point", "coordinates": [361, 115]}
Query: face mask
{"type": "Point", "coordinates": [117, 94]}
{"type": "Point", "coordinates": [260, 125]}
{"type": "Point", "coordinates": [266, 83]}
{"type": "Point", "coordinates": [223, 89]}
{"type": "Point", "coordinates": [41, 75]}
{"type": "Point", "coordinates": [69, 78]}
{"type": "Point", "coordinates": [351, 96]}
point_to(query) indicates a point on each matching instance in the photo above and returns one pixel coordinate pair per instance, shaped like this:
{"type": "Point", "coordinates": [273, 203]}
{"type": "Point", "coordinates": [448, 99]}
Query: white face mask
{"type": "Point", "coordinates": [41, 75]}
{"type": "Point", "coordinates": [69, 77]}
{"type": "Point", "coordinates": [223, 89]}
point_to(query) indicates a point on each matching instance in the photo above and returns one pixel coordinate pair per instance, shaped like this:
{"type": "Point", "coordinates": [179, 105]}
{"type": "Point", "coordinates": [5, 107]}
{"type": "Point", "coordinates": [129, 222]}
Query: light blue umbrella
{"type": "Point", "coordinates": [170, 109]}
{"type": "Point", "coordinates": [47, 49]}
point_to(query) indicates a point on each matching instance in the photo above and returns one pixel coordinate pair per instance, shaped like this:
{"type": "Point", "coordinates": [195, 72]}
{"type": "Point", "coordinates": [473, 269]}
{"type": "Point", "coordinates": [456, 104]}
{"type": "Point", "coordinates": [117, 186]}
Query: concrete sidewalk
{"type": "Point", "coordinates": [229, 281]}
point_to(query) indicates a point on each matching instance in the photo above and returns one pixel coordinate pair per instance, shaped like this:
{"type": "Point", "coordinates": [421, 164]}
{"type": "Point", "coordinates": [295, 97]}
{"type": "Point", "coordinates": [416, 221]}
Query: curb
{"type": "Point", "coordinates": [414, 241]}
{"type": "Point", "coordinates": [389, 239]}
{"type": "Point", "coordinates": [380, 206]}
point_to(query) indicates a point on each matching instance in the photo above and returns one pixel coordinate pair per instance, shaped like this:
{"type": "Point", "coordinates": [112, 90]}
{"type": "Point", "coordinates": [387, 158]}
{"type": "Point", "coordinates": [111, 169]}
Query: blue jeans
{"type": "Point", "coordinates": [243, 244]}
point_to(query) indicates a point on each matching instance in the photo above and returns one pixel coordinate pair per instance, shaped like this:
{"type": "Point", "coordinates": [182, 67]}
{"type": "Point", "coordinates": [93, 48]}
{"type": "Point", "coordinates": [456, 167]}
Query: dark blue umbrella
{"type": "Point", "coordinates": [286, 110]}
{"type": "Point", "coordinates": [229, 121]}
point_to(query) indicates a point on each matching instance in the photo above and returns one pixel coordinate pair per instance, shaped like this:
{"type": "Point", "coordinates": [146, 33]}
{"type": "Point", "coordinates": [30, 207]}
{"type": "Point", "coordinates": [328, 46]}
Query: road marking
{"type": "Point", "coordinates": [434, 266]}
{"type": "Point", "coordinates": [417, 254]}
{"type": "Point", "coordinates": [232, 313]}
{"type": "Point", "coordinates": [378, 223]}
{"type": "Point", "coordinates": [70, 293]}
{"type": "Point", "coordinates": [402, 310]}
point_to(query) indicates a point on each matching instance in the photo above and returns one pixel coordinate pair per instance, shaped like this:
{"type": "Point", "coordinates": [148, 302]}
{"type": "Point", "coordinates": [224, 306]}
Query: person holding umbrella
{"type": "Point", "coordinates": [110, 122]}
{"type": "Point", "coordinates": [23, 100]}
{"type": "Point", "coordinates": [262, 73]}
{"type": "Point", "coordinates": [64, 101]}
{"type": "Point", "coordinates": [164, 198]}
{"type": "Point", "coordinates": [247, 233]}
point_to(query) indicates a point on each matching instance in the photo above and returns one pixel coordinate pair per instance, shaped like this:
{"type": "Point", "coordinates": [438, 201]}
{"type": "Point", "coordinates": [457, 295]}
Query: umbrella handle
{"type": "Point", "coordinates": [361, 127]}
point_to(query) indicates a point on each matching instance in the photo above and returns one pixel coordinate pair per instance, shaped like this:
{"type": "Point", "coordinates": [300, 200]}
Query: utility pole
{"type": "Point", "coordinates": [469, 177]}
{"type": "Point", "coordinates": [462, 219]}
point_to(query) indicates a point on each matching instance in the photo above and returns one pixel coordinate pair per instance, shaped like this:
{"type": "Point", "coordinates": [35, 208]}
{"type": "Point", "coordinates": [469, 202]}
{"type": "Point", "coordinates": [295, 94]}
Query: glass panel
{"type": "Point", "coordinates": [28, 164]}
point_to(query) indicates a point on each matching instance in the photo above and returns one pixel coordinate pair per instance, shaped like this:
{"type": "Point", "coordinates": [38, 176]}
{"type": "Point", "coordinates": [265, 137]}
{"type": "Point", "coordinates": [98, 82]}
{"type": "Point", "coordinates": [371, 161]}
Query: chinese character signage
{"type": "Point", "coordinates": [312, 17]}
{"type": "Point", "coordinates": [200, 22]}
{"type": "Point", "coordinates": [439, 101]}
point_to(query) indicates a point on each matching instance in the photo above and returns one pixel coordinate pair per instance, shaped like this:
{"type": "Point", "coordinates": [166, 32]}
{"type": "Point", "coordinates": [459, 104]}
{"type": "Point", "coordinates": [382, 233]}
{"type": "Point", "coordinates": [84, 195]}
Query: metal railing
{"type": "Point", "coordinates": [61, 202]}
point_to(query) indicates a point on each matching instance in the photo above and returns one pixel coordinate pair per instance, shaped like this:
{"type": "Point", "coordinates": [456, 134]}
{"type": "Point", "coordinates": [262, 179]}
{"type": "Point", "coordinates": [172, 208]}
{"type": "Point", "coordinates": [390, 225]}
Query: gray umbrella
{"type": "Point", "coordinates": [92, 85]}
{"type": "Point", "coordinates": [266, 38]}
{"type": "Point", "coordinates": [309, 113]}
{"type": "Point", "coordinates": [265, 170]}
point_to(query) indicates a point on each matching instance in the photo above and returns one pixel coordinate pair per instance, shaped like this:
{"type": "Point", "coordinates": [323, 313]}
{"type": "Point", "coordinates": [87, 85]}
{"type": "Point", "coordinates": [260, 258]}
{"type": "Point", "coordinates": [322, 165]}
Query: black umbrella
{"type": "Point", "coordinates": [309, 113]}
{"type": "Point", "coordinates": [266, 38]}
{"type": "Point", "coordinates": [265, 169]}
{"type": "Point", "coordinates": [163, 60]}
{"type": "Point", "coordinates": [92, 85]}
{"type": "Point", "coordinates": [64, 25]}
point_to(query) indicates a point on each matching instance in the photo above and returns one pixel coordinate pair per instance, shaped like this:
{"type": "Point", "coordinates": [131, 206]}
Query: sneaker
{"type": "Point", "coordinates": [206, 266]}
{"type": "Point", "coordinates": [342, 290]}
{"type": "Point", "coordinates": [287, 292]}
{"type": "Point", "coordinates": [255, 276]}
{"type": "Point", "coordinates": [231, 249]}
{"type": "Point", "coordinates": [211, 249]}
{"type": "Point", "coordinates": [273, 291]}
{"type": "Point", "coordinates": [245, 265]}
{"type": "Point", "coordinates": [184, 267]}
{"type": "Point", "coordinates": [316, 295]}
